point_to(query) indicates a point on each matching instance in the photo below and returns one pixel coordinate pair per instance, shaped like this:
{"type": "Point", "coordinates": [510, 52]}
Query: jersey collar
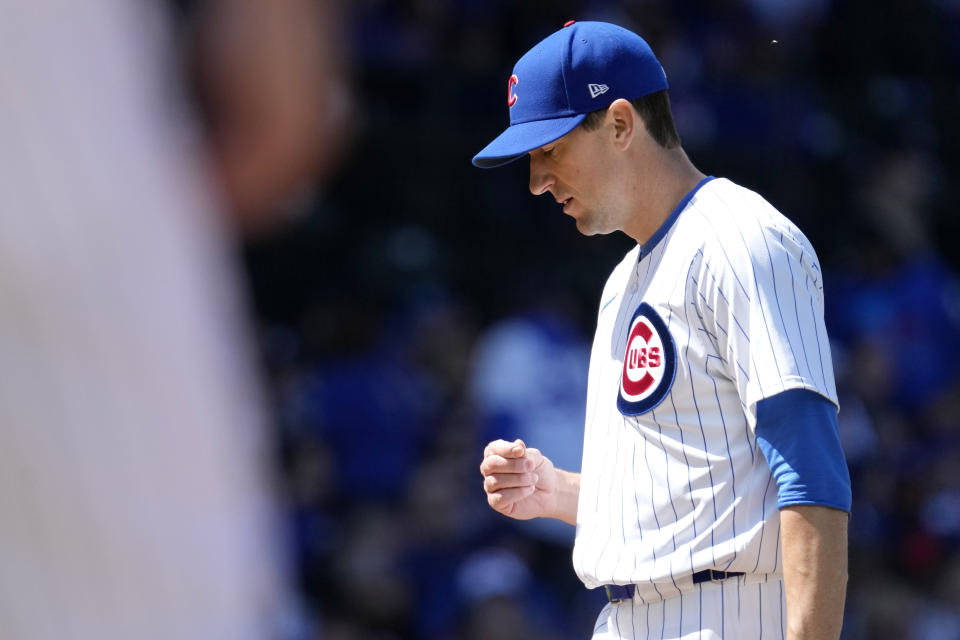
{"type": "Point", "coordinates": [647, 247]}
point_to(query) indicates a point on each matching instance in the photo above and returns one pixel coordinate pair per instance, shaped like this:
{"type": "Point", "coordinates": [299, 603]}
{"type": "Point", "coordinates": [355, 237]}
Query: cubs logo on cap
{"type": "Point", "coordinates": [511, 96]}
{"type": "Point", "coordinates": [649, 363]}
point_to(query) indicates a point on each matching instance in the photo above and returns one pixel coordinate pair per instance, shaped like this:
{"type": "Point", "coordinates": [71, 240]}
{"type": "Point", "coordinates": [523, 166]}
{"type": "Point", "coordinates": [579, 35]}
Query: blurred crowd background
{"type": "Point", "coordinates": [414, 308]}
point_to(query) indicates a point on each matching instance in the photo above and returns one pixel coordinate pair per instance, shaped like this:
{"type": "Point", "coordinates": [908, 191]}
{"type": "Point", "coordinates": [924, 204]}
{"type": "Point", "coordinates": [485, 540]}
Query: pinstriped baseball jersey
{"type": "Point", "coordinates": [721, 308]}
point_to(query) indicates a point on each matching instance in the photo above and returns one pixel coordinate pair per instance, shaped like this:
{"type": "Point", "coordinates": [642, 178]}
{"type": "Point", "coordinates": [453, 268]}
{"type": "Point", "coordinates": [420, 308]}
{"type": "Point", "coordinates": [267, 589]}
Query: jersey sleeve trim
{"type": "Point", "coordinates": [798, 434]}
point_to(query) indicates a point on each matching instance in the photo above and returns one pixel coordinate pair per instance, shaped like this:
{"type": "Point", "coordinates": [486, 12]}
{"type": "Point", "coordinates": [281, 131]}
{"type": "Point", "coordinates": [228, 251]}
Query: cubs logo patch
{"type": "Point", "coordinates": [649, 363]}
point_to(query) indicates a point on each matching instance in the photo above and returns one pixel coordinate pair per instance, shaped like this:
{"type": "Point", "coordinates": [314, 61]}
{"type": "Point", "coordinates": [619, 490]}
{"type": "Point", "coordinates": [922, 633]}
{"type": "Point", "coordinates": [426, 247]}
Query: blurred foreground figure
{"type": "Point", "coordinates": [134, 477]}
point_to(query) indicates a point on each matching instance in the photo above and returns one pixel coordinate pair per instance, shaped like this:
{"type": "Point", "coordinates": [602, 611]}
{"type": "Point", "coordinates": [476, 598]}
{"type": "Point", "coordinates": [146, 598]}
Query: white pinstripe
{"type": "Point", "coordinates": [681, 487]}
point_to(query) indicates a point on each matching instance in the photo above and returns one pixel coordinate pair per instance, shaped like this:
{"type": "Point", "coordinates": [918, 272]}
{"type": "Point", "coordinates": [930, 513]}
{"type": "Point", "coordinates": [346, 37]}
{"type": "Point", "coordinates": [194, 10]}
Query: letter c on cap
{"type": "Point", "coordinates": [511, 96]}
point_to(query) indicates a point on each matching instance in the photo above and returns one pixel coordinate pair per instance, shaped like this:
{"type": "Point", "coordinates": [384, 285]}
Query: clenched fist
{"type": "Point", "coordinates": [522, 483]}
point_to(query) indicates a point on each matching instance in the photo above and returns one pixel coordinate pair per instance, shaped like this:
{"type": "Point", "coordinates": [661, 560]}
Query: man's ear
{"type": "Point", "coordinates": [624, 121]}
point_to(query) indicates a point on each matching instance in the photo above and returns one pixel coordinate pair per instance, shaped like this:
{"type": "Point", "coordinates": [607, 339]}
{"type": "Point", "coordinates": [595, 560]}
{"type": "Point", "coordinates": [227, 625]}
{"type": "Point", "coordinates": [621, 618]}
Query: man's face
{"type": "Point", "coordinates": [576, 171]}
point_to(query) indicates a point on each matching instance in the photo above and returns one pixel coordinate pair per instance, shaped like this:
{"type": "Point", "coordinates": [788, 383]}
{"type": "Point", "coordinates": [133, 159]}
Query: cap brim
{"type": "Point", "coordinates": [520, 139]}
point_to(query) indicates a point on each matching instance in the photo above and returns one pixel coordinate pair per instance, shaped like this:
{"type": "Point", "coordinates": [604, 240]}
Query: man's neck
{"type": "Point", "coordinates": [672, 177]}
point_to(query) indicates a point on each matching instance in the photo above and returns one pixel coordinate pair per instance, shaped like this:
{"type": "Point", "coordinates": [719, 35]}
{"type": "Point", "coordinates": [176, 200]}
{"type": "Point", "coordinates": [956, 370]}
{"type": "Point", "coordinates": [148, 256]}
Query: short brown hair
{"type": "Point", "coordinates": [654, 110]}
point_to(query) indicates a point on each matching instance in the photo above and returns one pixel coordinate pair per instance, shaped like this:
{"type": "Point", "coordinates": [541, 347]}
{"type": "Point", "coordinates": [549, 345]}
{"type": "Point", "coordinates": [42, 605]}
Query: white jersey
{"type": "Point", "coordinates": [721, 308]}
{"type": "Point", "coordinates": [133, 490]}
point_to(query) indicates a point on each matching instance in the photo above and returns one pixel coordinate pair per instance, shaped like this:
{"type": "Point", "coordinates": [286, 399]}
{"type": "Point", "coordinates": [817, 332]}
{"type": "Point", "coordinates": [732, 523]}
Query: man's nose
{"type": "Point", "coordinates": [540, 179]}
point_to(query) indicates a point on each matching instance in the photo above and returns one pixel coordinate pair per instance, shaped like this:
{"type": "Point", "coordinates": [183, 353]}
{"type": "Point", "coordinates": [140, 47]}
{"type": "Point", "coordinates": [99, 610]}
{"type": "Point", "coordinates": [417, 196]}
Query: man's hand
{"type": "Point", "coordinates": [522, 483]}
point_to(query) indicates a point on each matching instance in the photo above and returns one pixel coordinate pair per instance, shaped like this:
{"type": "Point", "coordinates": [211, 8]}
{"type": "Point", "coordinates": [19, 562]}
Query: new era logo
{"type": "Point", "coordinates": [597, 89]}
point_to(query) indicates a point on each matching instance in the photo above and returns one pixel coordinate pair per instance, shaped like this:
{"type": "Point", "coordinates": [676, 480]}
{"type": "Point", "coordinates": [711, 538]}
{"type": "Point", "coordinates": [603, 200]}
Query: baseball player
{"type": "Point", "coordinates": [713, 496]}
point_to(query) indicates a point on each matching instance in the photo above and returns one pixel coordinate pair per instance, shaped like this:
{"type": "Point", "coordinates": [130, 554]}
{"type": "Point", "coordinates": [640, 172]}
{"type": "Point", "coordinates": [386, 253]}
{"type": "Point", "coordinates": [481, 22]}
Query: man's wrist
{"type": "Point", "coordinates": [568, 496]}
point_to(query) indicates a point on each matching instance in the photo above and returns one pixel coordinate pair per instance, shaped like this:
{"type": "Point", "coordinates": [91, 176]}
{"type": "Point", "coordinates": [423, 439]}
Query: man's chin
{"type": "Point", "coordinates": [585, 228]}
{"type": "Point", "coordinates": [583, 225]}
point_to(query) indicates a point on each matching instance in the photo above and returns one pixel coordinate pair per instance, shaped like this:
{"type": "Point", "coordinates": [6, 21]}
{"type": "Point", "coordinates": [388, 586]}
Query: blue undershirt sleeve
{"type": "Point", "coordinates": [797, 433]}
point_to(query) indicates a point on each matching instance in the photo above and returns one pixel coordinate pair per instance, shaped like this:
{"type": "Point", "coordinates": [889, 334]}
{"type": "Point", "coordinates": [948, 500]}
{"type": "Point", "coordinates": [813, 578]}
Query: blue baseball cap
{"type": "Point", "coordinates": [583, 67]}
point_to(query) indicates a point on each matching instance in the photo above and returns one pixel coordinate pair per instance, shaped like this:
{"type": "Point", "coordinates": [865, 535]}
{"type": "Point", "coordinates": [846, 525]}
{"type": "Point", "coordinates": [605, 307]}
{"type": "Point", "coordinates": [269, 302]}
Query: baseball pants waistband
{"type": "Point", "coordinates": [617, 593]}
